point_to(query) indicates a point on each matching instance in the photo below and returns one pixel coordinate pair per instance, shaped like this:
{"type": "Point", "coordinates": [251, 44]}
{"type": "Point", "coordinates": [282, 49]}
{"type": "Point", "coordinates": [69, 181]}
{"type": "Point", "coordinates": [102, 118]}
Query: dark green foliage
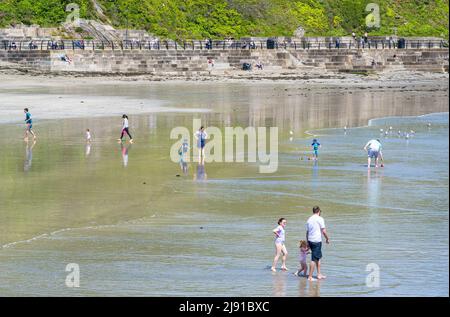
{"type": "Point", "coordinates": [198, 19]}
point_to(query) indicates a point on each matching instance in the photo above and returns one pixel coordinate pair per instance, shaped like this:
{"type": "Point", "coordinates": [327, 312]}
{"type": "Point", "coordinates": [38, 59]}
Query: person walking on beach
{"type": "Point", "coordinates": [29, 124]}
{"type": "Point", "coordinates": [315, 228]}
{"type": "Point", "coordinates": [280, 248]}
{"type": "Point", "coordinates": [88, 136]}
{"type": "Point", "coordinates": [125, 129]}
{"type": "Point", "coordinates": [201, 137]}
{"type": "Point", "coordinates": [373, 148]}
{"type": "Point", "coordinates": [315, 146]}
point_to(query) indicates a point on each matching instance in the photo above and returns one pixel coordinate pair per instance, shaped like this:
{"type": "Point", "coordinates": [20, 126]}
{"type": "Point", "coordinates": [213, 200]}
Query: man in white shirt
{"type": "Point", "coordinates": [373, 148]}
{"type": "Point", "coordinates": [315, 227]}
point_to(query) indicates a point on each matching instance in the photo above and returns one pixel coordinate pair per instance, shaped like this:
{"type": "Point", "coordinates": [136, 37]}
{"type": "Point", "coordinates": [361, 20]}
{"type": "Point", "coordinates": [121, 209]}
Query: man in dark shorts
{"type": "Point", "coordinates": [315, 227]}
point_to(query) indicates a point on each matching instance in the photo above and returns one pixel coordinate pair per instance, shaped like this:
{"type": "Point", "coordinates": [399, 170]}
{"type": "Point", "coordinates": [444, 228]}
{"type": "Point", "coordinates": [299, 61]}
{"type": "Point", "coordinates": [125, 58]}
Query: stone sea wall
{"type": "Point", "coordinates": [192, 62]}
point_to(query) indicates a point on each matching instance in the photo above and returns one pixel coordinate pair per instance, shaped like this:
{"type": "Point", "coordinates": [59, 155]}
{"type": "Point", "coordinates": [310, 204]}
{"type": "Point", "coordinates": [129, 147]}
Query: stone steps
{"type": "Point", "coordinates": [172, 61]}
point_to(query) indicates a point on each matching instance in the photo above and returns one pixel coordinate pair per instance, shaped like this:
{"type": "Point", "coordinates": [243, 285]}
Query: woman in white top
{"type": "Point", "coordinates": [280, 248]}
{"type": "Point", "coordinates": [125, 129]}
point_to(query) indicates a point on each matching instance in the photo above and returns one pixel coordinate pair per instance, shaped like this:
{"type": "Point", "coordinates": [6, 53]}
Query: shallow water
{"type": "Point", "coordinates": [135, 228]}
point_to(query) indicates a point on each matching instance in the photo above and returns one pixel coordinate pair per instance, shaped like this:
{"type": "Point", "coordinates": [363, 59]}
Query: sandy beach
{"type": "Point", "coordinates": [16, 90]}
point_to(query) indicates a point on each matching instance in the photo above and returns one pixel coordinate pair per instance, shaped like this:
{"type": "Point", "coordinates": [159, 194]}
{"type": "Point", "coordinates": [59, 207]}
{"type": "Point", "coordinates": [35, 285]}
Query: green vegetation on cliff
{"type": "Point", "coordinates": [197, 19]}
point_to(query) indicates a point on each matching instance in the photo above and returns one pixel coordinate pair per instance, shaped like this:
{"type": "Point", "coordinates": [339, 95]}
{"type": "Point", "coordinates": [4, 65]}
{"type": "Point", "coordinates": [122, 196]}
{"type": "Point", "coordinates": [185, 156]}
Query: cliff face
{"type": "Point", "coordinates": [237, 18]}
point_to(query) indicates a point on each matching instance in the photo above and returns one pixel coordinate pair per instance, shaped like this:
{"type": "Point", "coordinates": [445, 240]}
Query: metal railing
{"type": "Point", "coordinates": [306, 44]}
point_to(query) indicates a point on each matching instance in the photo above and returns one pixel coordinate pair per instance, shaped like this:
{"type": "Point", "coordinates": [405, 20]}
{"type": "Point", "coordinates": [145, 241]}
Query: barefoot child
{"type": "Point", "coordinates": [183, 151]}
{"type": "Point", "coordinates": [29, 123]}
{"type": "Point", "coordinates": [304, 251]}
{"type": "Point", "coordinates": [280, 248]}
{"type": "Point", "coordinates": [315, 146]}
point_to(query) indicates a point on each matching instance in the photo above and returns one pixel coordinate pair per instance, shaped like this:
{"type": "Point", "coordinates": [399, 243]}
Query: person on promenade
{"type": "Point", "coordinates": [315, 228]}
{"type": "Point", "coordinates": [29, 125]}
{"type": "Point", "coordinates": [304, 250]}
{"type": "Point", "coordinates": [201, 137]}
{"type": "Point", "coordinates": [125, 129]}
{"type": "Point", "coordinates": [280, 248]}
{"type": "Point", "coordinates": [373, 147]}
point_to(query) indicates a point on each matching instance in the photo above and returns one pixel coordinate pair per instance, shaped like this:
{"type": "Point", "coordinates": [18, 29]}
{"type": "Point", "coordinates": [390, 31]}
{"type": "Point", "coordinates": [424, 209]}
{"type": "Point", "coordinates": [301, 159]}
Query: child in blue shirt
{"type": "Point", "coordinates": [315, 146]}
{"type": "Point", "coordinates": [29, 124]}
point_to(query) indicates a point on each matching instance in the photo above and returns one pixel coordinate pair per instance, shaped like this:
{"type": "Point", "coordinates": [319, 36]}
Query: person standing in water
{"type": "Point", "coordinates": [201, 137]}
{"type": "Point", "coordinates": [125, 129]}
{"type": "Point", "coordinates": [315, 146]}
{"type": "Point", "coordinates": [183, 152]}
{"type": "Point", "coordinates": [315, 228]}
{"type": "Point", "coordinates": [29, 124]}
{"type": "Point", "coordinates": [373, 148]}
{"type": "Point", "coordinates": [88, 136]}
{"type": "Point", "coordinates": [280, 248]}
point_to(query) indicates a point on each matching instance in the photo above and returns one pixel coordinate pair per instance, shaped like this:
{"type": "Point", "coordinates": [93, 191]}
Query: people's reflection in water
{"type": "Point", "coordinates": [28, 155]}
{"type": "Point", "coordinates": [307, 288]}
{"type": "Point", "coordinates": [374, 179]}
{"type": "Point", "coordinates": [184, 167]}
{"type": "Point", "coordinates": [200, 174]}
{"type": "Point", "coordinates": [125, 149]}
{"type": "Point", "coordinates": [315, 172]}
{"type": "Point", "coordinates": [313, 288]}
{"type": "Point", "coordinates": [279, 284]}
{"type": "Point", "coordinates": [88, 149]}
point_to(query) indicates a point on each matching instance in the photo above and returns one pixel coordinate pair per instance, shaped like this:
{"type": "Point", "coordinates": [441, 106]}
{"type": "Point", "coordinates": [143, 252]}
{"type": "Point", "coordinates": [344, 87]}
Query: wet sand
{"type": "Point", "coordinates": [137, 229]}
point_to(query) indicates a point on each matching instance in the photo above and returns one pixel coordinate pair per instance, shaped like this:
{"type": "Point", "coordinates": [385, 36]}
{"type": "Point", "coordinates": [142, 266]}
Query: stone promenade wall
{"type": "Point", "coordinates": [191, 62]}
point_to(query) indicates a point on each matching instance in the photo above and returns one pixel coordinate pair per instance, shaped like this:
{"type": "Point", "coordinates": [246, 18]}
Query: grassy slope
{"type": "Point", "coordinates": [236, 18]}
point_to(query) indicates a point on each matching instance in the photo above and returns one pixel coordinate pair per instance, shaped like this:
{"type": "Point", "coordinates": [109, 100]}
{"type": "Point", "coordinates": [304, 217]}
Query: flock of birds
{"type": "Point", "coordinates": [401, 134]}
{"type": "Point", "coordinates": [386, 132]}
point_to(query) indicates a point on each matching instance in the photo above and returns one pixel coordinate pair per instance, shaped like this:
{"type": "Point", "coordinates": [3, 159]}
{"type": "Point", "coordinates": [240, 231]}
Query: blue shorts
{"type": "Point", "coordinates": [316, 250]}
{"type": "Point", "coordinates": [316, 152]}
{"type": "Point", "coordinates": [202, 144]}
{"type": "Point", "coordinates": [372, 154]}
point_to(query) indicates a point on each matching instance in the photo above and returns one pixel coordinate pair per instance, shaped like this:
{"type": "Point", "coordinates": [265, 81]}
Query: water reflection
{"type": "Point", "coordinates": [307, 288]}
{"type": "Point", "coordinates": [184, 167]}
{"type": "Point", "coordinates": [279, 284]}
{"type": "Point", "coordinates": [88, 149]}
{"type": "Point", "coordinates": [124, 150]}
{"type": "Point", "coordinates": [28, 155]}
{"type": "Point", "coordinates": [200, 174]}
{"type": "Point", "coordinates": [374, 180]}
{"type": "Point", "coordinates": [313, 288]}
{"type": "Point", "coordinates": [315, 173]}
